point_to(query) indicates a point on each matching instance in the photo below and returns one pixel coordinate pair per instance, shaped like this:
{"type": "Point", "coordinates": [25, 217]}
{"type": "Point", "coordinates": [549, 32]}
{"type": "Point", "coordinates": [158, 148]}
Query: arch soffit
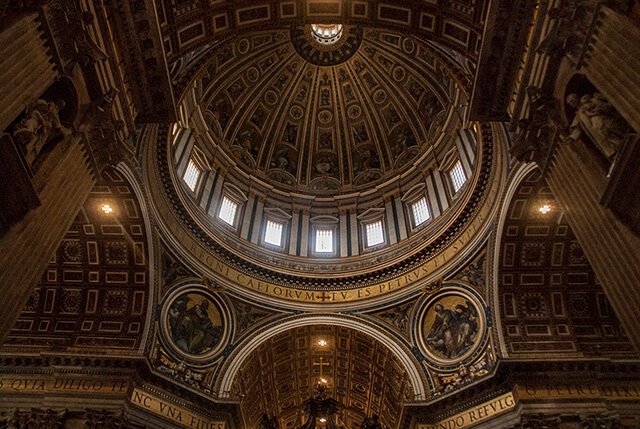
{"type": "Point", "coordinates": [153, 265]}
{"type": "Point", "coordinates": [244, 349]}
{"type": "Point", "coordinates": [517, 176]}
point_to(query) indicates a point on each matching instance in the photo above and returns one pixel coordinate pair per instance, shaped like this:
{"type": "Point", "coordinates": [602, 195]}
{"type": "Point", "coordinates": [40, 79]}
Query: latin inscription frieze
{"type": "Point", "coordinates": [403, 281]}
{"type": "Point", "coordinates": [173, 412]}
{"type": "Point", "coordinates": [14, 384]}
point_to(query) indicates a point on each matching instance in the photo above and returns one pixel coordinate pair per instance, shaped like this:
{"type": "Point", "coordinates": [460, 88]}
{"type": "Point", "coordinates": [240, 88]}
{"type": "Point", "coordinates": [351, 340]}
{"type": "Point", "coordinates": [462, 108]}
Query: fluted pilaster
{"type": "Point", "coordinates": [612, 249]}
{"type": "Point", "coordinates": [63, 182]}
{"type": "Point", "coordinates": [612, 62]}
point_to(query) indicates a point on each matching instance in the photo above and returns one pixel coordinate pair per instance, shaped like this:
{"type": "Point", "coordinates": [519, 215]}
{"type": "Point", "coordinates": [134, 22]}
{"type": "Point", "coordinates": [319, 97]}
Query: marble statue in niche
{"type": "Point", "coordinates": [451, 327]}
{"type": "Point", "coordinates": [39, 125]}
{"type": "Point", "coordinates": [599, 121]}
{"type": "Point", "coordinates": [195, 324]}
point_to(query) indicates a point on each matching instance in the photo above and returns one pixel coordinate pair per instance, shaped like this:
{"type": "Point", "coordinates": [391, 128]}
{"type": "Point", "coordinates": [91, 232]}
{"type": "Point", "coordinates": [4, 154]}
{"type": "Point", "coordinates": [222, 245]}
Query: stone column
{"type": "Point", "coordinates": [612, 249]}
{"type": "Point", "coordinates": [63, 183]}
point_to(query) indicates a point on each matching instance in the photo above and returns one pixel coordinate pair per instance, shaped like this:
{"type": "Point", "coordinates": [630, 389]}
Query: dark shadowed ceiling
{"type": "Point", "coordinates": [93, 295]}
{"type": "Point", "coordinates": [189, 25]}
{"type": "Point", "coordinates": [550, 297]}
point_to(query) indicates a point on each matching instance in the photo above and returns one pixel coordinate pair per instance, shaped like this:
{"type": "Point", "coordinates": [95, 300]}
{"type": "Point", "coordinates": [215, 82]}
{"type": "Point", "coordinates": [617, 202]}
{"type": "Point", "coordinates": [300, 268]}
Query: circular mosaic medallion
{"type": "Point", "coordinates": [270, 97]}
{"type": "Point", "coordinates": [252, 74]}
{"type": "Point", "coordinates": [398, 74]}
{"type": "Point", "coordinates": [243, 46]}
{"type": "Point", "coordinates": [380, 96]}
{"type": "Point", "coordinates": [72, 251]}
{"type": "Point", "coordinates": [296, 112]}
{"type": "Point", "coordinates": [195, 324]}
{"type": "Point", "coordinates": [354, 112]}
{"type": "Point", "coordinates": [451, 325]}
{"type": "Point", "coordinates": [325, 117]}
{"type": "Point", "coordinates": [408, 46]}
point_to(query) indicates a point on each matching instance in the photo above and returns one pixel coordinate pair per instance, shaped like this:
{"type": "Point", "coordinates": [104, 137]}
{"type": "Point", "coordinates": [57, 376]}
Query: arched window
{"type": "Point", "coordinates": [324, 238]}
{"type": "Point", "coordinates": [229, 210]}
{"type": "Point", "coordinates": [276, 227]}
{"type": "Point", "coordinates": [420, 211]}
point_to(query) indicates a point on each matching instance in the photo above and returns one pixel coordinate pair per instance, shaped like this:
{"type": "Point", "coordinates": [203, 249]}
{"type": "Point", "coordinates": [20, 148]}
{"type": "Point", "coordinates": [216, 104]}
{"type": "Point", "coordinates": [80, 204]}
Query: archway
{"type": "Point", "coordinates": [382, 373]}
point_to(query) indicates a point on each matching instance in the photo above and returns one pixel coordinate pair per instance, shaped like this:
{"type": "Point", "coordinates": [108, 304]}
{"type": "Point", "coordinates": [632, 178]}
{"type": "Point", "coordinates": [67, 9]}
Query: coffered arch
{"type": "Point", "coordinates": [242, 351]}
{"type": "Point", "coordinates": [545, 294]}
{"type": "Point", "coordinates": [97, 289]}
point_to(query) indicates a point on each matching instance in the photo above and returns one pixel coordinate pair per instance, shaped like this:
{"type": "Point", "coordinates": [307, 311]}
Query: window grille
{"type": "Point", "coordinates": [458, 177]}
{"type": "Point", "coordinates": [324, 241]}
{"type": "Point", "coordinates": [228, 210]}
{"type": "Point", "coordinates": [375, 234]}
{"type": "Point", "coordinates": [420, 211]}
{"type": "Point", "coordinates": [191, 175]}
{"type": "Point", "coordinates": [273, 233]}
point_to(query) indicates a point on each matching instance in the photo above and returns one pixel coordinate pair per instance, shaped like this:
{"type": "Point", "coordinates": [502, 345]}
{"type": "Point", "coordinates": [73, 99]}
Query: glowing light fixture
{"type": "Point", "coordinates": [106, 209]}
{"type": "Point", "coordinates": [545, 209]}
{"type": "Point", "coordinates": [322, 343]}
{"type": "Point", "coordinates": [323, 420]}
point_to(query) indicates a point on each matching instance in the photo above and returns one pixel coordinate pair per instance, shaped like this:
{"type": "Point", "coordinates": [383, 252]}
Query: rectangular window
{"type": "Point", "coordinates": [375, 234]}
{"type": "Point", "coordinates": [324, 241]}
{"type": "Point", "coordinates": [420, 211]}
{"type": "Point", "coordinates": [191, 175]}
{"type": "Point", "coordinates": [273, 233]}
{"type": "Point", "coordinates": [458, 177]}
{"type": "Point", "coordinates": [228, 210]}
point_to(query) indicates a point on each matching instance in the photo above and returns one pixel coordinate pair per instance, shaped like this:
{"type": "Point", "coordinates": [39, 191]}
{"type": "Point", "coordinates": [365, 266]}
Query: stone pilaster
{"type": "Point", "coordinates": [612, 249]}
{"type": "Point", "coordinates": [612, 62]}
{"type": "Point", "coordinates": [63, 183]}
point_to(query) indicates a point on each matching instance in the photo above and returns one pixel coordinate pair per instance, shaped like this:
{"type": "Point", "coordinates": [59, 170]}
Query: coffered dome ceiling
{"type": "Point", "coordinates": [316, 116]}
